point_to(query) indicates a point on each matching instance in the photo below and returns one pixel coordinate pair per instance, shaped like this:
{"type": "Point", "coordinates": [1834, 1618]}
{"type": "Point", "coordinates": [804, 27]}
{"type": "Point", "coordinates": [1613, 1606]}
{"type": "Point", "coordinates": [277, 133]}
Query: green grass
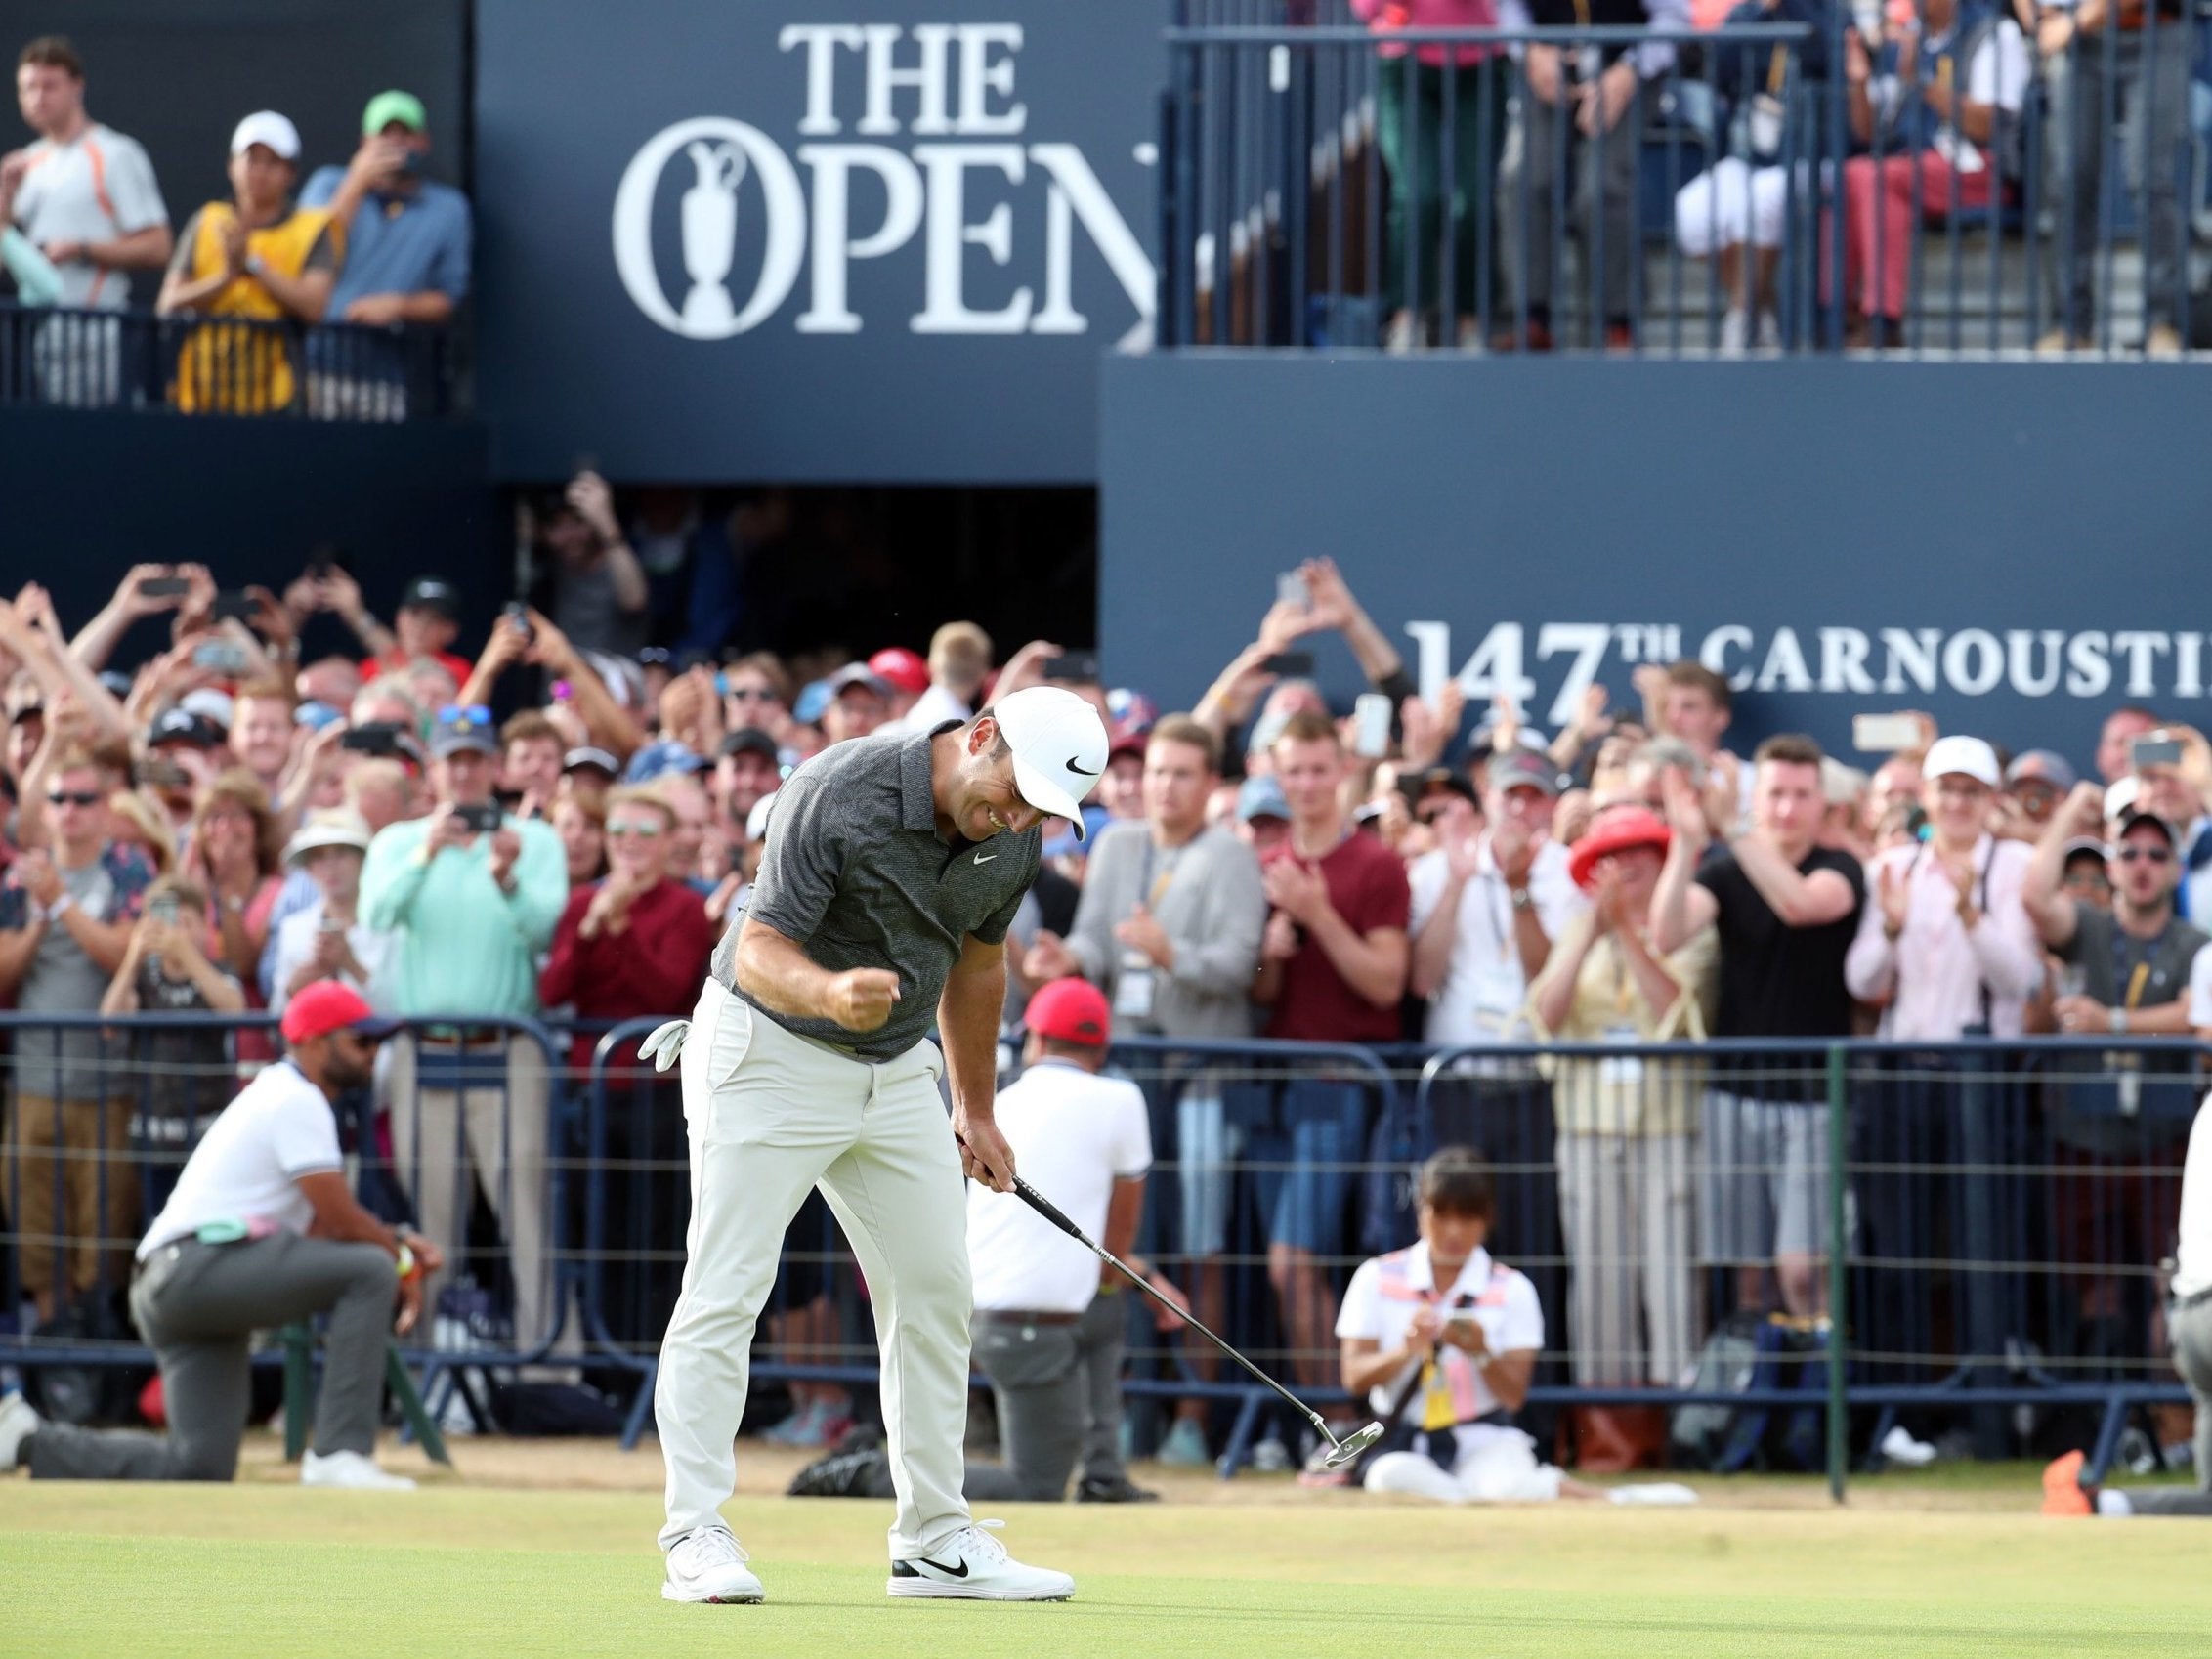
{"type": "Point", "coordinates": [174, 1573]}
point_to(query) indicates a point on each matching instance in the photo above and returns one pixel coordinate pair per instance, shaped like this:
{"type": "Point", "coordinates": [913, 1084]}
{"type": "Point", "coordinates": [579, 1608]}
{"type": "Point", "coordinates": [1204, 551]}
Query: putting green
{"type": "Point", "coordinates": [181, 1572]}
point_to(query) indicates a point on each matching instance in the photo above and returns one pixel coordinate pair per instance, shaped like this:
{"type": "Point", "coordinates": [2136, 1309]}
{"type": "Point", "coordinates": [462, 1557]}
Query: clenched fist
{"type": "Point", "coordinates": [861, 998]}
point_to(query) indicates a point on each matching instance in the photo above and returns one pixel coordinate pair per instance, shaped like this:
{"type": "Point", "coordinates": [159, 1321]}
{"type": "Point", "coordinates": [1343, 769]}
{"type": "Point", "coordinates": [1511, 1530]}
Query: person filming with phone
{"type": "Point", "coordinates": [2172, 771]}
{"type": "Point", "coordinates": [407, 249]}
{"type": "Point", "coordinates": [173, 966]}
{"type": "Point", "coordinates": [470, 896]}
{"type": "Point", "coordinates": [327, 938]}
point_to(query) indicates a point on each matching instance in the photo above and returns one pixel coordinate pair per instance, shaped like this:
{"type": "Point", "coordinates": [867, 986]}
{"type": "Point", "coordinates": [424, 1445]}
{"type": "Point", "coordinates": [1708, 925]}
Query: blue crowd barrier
{"type": "Point", "coordinates": [1989, 1232]}
{"type": "Point", "coordinates": [257, 368]}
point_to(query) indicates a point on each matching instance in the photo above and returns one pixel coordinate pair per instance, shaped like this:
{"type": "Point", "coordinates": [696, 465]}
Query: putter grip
{"type": "Point", "coordinates": [1045, 1207]}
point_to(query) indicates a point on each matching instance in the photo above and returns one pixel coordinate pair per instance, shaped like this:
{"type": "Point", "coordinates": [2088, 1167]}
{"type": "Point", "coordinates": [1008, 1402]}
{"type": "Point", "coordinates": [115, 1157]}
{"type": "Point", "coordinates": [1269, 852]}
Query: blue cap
{"type": "Point", "coordinates": [463, 726]}
{"type": "Point", "coordinates": [317, 715]}
{"type": "Point", "coordinates": [657, 760]}
{"type": "Point", "coordinates": [812, 700]}
{"type": "Point", "coordinates": [1261, 797]}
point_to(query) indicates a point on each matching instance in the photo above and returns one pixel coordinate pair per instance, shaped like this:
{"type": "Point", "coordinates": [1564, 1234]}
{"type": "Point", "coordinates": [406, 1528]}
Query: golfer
{"type": "Point", "coordinates": [892, 869]}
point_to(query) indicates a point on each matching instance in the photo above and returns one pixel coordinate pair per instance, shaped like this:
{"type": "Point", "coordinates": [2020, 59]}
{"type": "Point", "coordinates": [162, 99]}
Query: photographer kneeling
{"type": "Point", "coordinates": [262, 1230]}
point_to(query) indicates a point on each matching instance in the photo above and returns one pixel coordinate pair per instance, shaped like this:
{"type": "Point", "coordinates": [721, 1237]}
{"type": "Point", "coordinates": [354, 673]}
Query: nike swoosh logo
{"type": "Point", "coordinates": [960, 1571]}
{"type": "Point", "coordinates": [984, 858]}
{"type": "Point", "coordinates": [1076, 766]}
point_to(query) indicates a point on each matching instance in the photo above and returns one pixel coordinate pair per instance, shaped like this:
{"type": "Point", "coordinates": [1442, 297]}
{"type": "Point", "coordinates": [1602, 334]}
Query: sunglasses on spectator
{"type": "Point", "coordinates": [73, 797]}
{"type": "Point", "coordinates": [2157, 854]}
{"type": "Point", "coordinates": [753, 694]}
{"type": "Point", "coordinates": [627, 826]}
{"type": "Point", "coordinates": [464, 714]}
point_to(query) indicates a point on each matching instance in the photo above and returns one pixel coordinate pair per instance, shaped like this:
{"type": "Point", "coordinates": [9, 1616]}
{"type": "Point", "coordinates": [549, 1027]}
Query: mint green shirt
{"type": "Point", "coordinates": [460, 946]}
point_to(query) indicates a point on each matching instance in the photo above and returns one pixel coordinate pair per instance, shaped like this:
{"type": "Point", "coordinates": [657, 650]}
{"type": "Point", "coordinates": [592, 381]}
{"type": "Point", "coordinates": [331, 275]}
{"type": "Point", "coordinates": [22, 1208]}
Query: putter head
{"type": "Point", "coordinates": [1351, 1445]}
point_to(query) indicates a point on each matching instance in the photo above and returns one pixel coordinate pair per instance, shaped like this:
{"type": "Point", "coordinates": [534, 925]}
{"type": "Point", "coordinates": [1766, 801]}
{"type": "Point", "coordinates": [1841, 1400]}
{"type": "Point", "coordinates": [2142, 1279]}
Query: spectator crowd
{"type": "Point", "coordinates": [237, 818]}
{"type": "Point", "coordinates": [1844, 141]}
{"type": "Point", "coordinates": [361, 256]}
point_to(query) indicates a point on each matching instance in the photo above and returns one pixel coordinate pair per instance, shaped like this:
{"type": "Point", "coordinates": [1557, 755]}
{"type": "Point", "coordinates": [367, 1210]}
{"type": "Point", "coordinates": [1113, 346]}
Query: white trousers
{"type": "Point", "coordinates": [771, 1115]}
{"type": "Point", "coordinates": [445, 1140]}
{"type": "Point", "coordinates": [1625, 1202]}
{"type": "Point", "coordinates": [1495, 1465]}
{"type": "Point", "coordinates": [1730, 203]}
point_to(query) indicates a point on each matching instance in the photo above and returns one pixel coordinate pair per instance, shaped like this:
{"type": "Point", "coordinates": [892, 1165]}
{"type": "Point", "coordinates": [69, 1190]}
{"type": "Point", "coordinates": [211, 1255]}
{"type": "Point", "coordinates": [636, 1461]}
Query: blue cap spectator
{"type": "Point", "coordinates": [463, 727]}
{"type": "Point", "coordinates": [657, 760]}
{"type": "Point", "coordinates": [1261, 797]}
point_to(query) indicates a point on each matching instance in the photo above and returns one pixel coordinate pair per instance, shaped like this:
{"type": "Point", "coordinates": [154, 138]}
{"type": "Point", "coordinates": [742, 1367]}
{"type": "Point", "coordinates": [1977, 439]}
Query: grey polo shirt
{"type": "Point", "coordinates": [855, 871]}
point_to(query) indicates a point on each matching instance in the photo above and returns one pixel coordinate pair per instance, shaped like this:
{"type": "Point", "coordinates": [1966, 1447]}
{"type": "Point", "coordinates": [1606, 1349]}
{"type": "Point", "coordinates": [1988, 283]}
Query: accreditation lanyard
{"type": "Point", "coordinates": [1439, 1409]}
{"type": "Point", "coordinates": [1155, 888]}
{"type": "Point", "coordinates": [2128, 1068]}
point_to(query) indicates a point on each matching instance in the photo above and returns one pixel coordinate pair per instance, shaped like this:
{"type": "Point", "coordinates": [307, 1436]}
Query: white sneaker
{"type": "Point", "coordinates": [1767, 336]}
{"type": "Point", "coordinates": [1665, 1493]}
{"type": "Point", "coordinates": [1902, 1448]}
{"type": "Point", "coordinates": [707, 1565]}
{"type": "Point", "coordinates": [1735, 331]}
{"type": "Point", "coordinates": [17, 1423]}
{"type": "Point", "coordinates": [1270, 1456]}
{"type": "Point", "coordinates": [352, 1470]}
{"type": "Point", "coordinates": [973, 1565]}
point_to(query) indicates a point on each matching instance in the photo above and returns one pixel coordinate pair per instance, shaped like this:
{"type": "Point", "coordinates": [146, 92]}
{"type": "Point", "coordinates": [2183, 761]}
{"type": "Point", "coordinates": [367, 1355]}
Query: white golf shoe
{"type": "Point", "coordinates": [17, 1423]}
{"type": "Point", "coordinates": [707, 1565]}
{"type": "Point", "coordinates": [1665, 1494]}
{"type": "Point", "coordinates": [973, 1565]}
{"type": "Point", "coordinates": [350, 1470]}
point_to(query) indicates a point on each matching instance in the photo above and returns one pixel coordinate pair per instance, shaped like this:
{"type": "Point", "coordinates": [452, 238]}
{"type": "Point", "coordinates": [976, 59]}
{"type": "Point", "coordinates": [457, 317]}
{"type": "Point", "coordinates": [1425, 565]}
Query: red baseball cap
{"type": "Point", "coordinates": [327, 1006]}
{"type": "Point", "coordinates": [902, 667]}
{"type": "Point", "coordinates": [1071, 1010]}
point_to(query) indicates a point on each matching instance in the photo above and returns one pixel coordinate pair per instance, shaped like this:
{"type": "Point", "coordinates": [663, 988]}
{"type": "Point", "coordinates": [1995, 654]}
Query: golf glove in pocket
{"type": "Point", "coordinates": [666, 1045]}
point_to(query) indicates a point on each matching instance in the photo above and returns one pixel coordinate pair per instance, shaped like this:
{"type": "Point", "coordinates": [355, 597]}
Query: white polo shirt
{"type": "Point", "coordinates": [279, 1129]}
{"type": "Point", "coordinates": [1074, 1135]}
{"type": "Point", "coordinates": [1485, 988]}
{"type": "Point", "coordinates": [1386, 1293]}
{"type": "Point", "coordinates": [2192, 1259]}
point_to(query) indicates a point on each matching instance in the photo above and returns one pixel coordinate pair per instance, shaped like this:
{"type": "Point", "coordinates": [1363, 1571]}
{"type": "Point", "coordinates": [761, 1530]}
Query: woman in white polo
{"type": "Point", "coordinates": [1463, 1333]}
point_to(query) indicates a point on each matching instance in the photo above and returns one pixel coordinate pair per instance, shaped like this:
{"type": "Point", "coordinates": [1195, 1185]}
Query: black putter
{"type": "Point", "coordinates": [1341, 1452]}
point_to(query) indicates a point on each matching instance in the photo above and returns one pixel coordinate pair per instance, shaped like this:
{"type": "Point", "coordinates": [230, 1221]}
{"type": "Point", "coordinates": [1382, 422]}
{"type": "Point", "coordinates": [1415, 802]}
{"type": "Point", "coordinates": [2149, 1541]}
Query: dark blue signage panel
{"type": "Point", "coordinates": [730, 240]}
{"type": "Point", "coordinates": [2015, 548]}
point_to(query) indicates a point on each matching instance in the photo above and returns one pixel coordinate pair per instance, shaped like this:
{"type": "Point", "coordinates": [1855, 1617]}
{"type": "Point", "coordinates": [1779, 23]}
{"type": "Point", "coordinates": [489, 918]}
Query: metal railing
{"type": "Point", "coordinates": [1968, 1236]}
{"type": "Point", "coordinates": [223, 366]}
{"type": "Point", "coordinates": [1327, 184]}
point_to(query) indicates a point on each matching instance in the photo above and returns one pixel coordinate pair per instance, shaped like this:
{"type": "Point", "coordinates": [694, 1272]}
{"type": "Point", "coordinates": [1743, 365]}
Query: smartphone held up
{"type": "Point", "coordinates": [1885, 734]}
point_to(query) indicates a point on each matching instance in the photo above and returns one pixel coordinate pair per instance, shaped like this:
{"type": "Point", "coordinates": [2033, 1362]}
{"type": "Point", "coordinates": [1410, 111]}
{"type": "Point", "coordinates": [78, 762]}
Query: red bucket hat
{"type": "Point", "coordinates": [1616, 831]}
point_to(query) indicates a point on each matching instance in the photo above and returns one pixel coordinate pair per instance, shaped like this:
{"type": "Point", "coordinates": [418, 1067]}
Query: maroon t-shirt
{"type": "Point", "coordinates": [1367, 886]}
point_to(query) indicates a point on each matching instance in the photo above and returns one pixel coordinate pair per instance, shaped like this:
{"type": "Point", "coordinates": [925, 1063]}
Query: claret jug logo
{"type": "Point", "coordinates": [1006, 268]}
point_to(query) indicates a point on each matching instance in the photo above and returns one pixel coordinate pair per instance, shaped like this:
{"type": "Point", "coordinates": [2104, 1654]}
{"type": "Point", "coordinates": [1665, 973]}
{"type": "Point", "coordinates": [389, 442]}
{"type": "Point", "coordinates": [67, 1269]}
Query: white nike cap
{"type": "Point", "coordinates": [1059, 746]}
